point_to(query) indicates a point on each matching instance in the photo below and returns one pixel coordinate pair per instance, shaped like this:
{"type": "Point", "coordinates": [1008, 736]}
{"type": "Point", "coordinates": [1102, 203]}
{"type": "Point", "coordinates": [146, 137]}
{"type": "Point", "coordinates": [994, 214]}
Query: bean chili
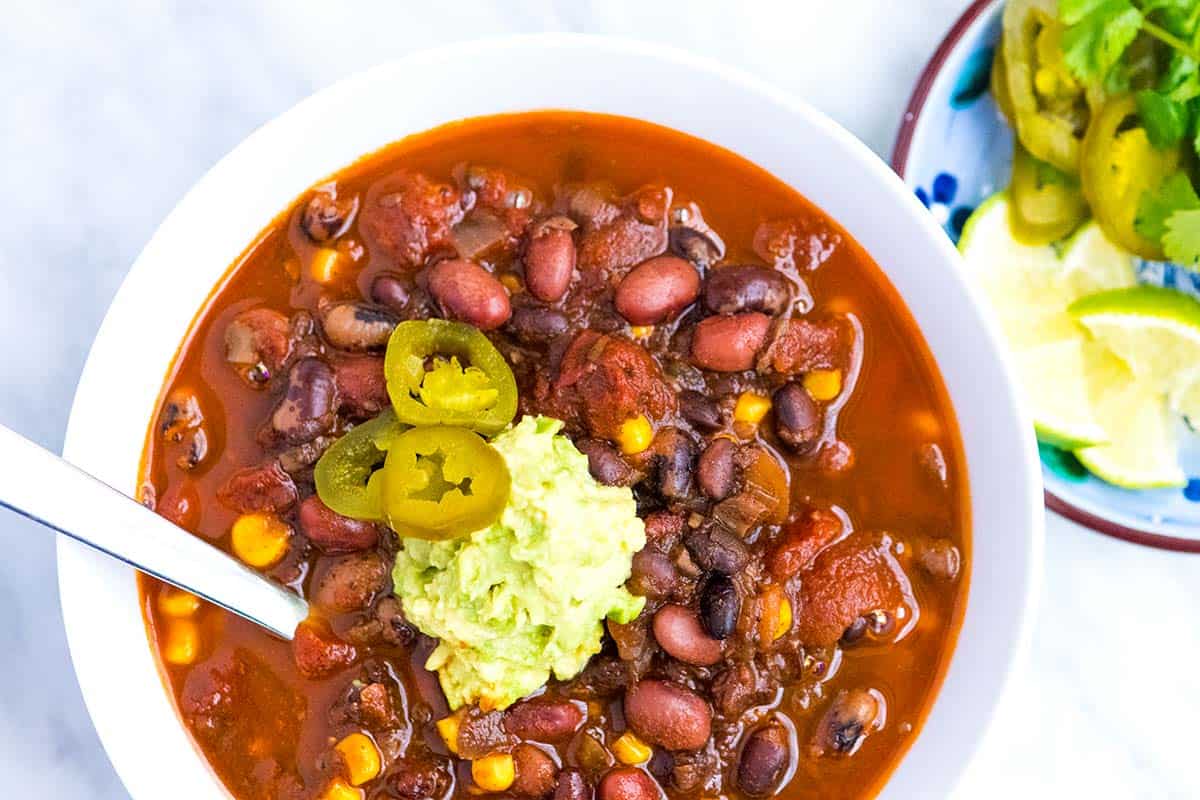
{"type": "Point", "coordinates": [711, 339]}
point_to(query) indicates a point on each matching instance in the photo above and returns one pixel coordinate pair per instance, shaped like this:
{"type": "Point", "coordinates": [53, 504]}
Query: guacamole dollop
{"type": "Point", "coordinates": [525, 597]}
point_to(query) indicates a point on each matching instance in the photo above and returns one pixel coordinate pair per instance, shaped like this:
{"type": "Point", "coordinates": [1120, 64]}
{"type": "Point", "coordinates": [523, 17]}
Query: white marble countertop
{"type": "Point", "coordinates": [113, 110]}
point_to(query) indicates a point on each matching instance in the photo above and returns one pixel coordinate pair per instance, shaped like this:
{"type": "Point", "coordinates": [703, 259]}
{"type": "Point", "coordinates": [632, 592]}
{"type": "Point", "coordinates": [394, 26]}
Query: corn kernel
{"type": "Point", "coordinates": [512, 283]}
{"type": "Point", "coordinates": [338, 789]}
{"type": "Point", "coordinates": [494, 773]}
{"type": "Point", "coordinates": [260, 539]}
{"type": "Point", "coordinates": [177, 603]}
{"type": "Point", "coordinates": [629, 749]}
{"type": "Point", "coordinates": [361, 757]}
{"type": "Point", "coordinates": [635, 435]}
{"type": "Point", "coordinates": [751, 408]}
{"type": "Point", "coordinates": [641, 331]}
{"type": "Point", "coordinates": [775, 616]}
{"type": "Point", "coordinates": [824, 384]}
{"type": "Point", "coordinates": [448, 728]}
{"type": "Point", "coordinates": [324, 264]}
{"type": "Point", "coordinates": [183, 642]}
{"type": "Point", "coordinates": [784, 623]}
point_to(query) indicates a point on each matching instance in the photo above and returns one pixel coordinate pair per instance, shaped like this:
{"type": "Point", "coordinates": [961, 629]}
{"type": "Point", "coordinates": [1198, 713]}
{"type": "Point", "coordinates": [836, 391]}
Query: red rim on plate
{"type": "Point", "coordinates": [900, 152]}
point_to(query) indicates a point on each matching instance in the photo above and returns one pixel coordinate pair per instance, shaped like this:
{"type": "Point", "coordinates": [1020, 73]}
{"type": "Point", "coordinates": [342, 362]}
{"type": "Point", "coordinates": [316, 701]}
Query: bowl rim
{"type": "Point", "coordinates": [974, 13]}
{"type": "Point", "coordinates": [1001, 629]}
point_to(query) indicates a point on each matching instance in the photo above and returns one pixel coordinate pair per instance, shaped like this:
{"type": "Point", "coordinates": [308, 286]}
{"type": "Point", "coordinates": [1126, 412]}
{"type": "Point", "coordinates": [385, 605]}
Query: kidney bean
{"type": "Point", "coordinates": [572, 786]}
{"type": "Point", "coordinates": [263, 488]}
{"type": "Point", "coordinates": [542, 721]}
{"type": "Point", "coordinates": [657, 290]}
{"type": "Point", "coordinates": [701, 411]}
{"type": "Point", "coordinates": [653, 575]}
{"type": "Point", "coordinates": [536, 325]}
{"type": "Point", "coordinates": [361, 386]}
{"type": "Point", "coordinates": [734, 289]}
{"type": "Point", "coordinates": [327, 216]}
{"type": "Point", "coordinates": [357, 326]}
{"type": "Point", "coordinates": [797, 417]}
{"type": "Point", "coordinates": [606, 464]}
{"type": "Point", "coordinates": [848, 720]}
{"type": "Point", "coordinates": [318, 653]}
{"type": "Point", "coordinates": [679, 632]}
{"type": "Point", "coordinates": [668, 715]}
{"type": "Point", "coordinates": [720, 605]}
{"type": "Point", "coordinates": [468, 292]}
{"type": "Point", "coordinates": [550, 259]}
{"type": "Point", "coordinates": [718, 550]}
{"type": "Point", "coordinates": [628, 783]}
{"type": "Point", "coordinates": [763, 761]}
{"type": "Point", "coordinates": [350, 583]}
{"type": "Point", "coordinates": [307, 408]}
{"type": "Point", "coordinates": [332, 532]}
{"type": "Point", "coordinates": [729, 343]}
{"type": "Point", "coordinates": [391, 292]}
{"type": "Point", "coordinates": [536, 772]}
{"type": "Point", "coordinates": [715, 471]}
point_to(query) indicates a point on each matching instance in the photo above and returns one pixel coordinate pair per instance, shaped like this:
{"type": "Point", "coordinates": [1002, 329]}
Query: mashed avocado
{"type": "Point", "coordinates": [525, 597]}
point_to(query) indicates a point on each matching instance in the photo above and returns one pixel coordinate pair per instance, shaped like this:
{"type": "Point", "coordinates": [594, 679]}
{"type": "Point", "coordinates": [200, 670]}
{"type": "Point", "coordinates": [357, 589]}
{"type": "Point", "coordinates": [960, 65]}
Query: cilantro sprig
{"type": "Point", "coordinates": [1097, 44]}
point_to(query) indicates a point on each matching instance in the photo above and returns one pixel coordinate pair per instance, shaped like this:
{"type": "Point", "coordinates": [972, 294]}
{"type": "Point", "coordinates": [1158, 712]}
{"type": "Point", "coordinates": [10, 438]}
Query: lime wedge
{"type": "Point", "coordinates": [1156, 332]}
{"type": "Point", "coordinates": [1030, 289]}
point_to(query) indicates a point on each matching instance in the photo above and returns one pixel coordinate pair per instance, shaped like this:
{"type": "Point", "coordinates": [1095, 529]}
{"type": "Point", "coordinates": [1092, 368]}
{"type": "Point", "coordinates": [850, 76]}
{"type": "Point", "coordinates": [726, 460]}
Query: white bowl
{"type": "Point", "coordinates": [189, 254]}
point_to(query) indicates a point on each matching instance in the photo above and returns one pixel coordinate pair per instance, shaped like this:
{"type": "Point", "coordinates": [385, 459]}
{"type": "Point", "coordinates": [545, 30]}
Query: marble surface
{"type": "Point", "coordinates": [113, 110]}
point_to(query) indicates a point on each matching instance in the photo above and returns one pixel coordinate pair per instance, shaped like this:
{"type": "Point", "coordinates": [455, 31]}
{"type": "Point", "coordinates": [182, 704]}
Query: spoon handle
{"type": "Point", "coordinates": [41, 486]}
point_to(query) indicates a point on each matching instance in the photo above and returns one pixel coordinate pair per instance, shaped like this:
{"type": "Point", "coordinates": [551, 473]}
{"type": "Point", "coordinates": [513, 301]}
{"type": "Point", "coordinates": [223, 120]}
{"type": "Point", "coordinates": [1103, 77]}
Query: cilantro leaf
{"type": "Point", "coordinates": [1181, 242]}
{"type": "Point", "coordinates": [1072, 11]}
{"type": "Point", "coordinates": [1176, 193]}
{"type": "Point", "coordinates": [1181, 82]}
{"type": "Point", "coordinates": [1165, 121]}
{"type": "Point", "coordinates": [1099, 35]}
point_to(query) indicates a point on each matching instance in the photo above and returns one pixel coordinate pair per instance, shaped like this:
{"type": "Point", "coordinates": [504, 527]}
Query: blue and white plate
{"type": "Point", "coordinates": [955, 150]}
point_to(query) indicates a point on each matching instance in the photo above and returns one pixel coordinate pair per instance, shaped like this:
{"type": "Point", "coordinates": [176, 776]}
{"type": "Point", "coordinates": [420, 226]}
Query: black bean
{"type": "Point", "coordinates": [734, 289]}
{"type": "Point", "coordinates": [717, 550]}
{"type": "Point", "coordinates": [940, 558]}
{"type": "Point", "coordinates": [675, 468]}
{"type": "Point", "coordinates": [702, 248]}
{"type": "Point", "coordinates": [572, 786]}
{"type": "Point", "coordinates": [856, 631]}
{"type": "Point", "coordinates": [327, 216]}
{"type": "Point", "coordinates": [846, 723]}
{"type": "Point", "coordinates": [763, 761]}
{"type": "Point", "coordinates": [719, 605]}
{"type": "Point", "coordinates": [357, 326]}
{"type": "Point", "coordinates": [606, 464]}
{"type": "Point", "coordinates": [716, 471]}
{"type": "Point", "coordinates": [701, 411]}
{"type": "Point", "coordinates": [797, 418]}
{"type": "Point", "coordinates": [391, 291]}
{"type": "Point", "coordinates": [536, 325]}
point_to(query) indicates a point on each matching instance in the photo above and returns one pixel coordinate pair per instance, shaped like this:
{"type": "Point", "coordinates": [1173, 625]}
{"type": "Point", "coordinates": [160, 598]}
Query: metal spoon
{"type": "Point", "coordinates": [41, 486]}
